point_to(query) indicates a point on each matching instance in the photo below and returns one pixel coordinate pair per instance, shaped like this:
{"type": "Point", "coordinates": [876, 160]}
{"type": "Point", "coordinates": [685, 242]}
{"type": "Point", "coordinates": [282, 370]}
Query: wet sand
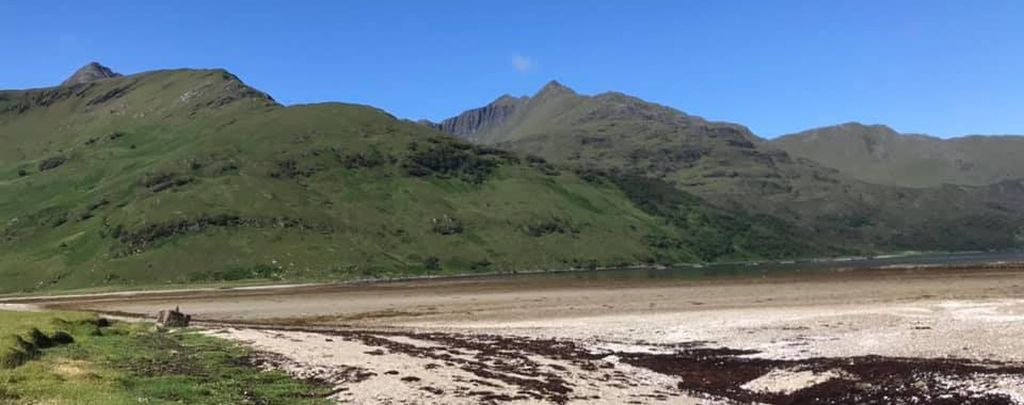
{"type": "Point", "coordinates": [892, 335]}
{"type": "Point", "coordinates": [503, 300]}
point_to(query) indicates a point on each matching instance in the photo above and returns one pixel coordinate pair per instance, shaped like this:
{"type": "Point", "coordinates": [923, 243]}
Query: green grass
{"type": "Point", "coordinates": [133, 363]}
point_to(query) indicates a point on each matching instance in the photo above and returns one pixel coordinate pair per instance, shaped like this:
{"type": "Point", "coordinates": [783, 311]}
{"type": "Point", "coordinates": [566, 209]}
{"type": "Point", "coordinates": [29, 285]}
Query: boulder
{"type": "Point", "coordinates": [173, 318]}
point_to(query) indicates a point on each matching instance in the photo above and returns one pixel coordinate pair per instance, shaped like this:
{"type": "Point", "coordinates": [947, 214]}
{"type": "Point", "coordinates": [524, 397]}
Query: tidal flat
{"type": "Point", "coordinates": [904, 334]}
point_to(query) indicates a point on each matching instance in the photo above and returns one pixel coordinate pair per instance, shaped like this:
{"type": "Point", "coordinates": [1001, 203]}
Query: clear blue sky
{"type": "Point", "coordinates": [939, 67]}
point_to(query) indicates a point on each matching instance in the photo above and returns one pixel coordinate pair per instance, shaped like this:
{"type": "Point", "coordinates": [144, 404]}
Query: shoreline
{"type": "Point", "coordinates": [1018, 259]}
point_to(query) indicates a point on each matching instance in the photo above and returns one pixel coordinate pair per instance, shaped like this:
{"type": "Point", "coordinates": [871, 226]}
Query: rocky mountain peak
{"type": "Point", "coordinates": [90, 72]}
{"type": "Point", "coordinates": [553, 88]}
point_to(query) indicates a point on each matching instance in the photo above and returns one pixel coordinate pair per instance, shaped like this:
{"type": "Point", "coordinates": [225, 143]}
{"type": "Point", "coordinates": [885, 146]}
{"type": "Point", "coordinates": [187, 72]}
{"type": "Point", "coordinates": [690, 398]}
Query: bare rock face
{"type": "Point", "coordinates": [88, 73]}
{"type": "Point", "coordinates": [470, 122]}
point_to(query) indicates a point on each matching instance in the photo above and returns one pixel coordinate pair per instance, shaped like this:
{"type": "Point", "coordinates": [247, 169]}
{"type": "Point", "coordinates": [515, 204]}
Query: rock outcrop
{"type": "Point", "coordinates": [470, 122]}
{"type": "Point", "coordinates": [89, 73]}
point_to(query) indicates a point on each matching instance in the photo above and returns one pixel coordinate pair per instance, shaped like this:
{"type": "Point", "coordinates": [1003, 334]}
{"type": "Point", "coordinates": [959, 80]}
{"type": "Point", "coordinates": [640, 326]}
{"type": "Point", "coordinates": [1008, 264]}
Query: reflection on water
{"type": "Point", "coordinates": [773, 269]}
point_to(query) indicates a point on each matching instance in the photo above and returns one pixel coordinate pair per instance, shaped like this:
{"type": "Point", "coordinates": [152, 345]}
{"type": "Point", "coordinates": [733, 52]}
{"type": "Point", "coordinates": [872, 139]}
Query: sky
{"type": "Point", "coordinates": [945, 68]}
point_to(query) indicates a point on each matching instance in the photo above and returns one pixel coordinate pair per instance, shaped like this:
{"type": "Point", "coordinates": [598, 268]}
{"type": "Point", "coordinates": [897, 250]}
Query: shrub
{"type": "Point", "coordinates": [432, 263]}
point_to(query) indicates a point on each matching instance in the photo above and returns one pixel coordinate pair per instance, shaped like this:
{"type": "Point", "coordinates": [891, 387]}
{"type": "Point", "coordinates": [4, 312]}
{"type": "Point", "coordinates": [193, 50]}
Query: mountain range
{"type": "Point", "coordinates": [191, 176]}
{"type": "Point", "coordinates": [817, 181]}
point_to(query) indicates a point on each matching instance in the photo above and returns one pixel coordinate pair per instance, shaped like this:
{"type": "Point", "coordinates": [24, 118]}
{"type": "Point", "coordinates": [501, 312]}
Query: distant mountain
{"type": "Point", "coordinates": [878, 154]}
{"type": "Point", "coordinates": [734, 169]}
{"type": "Point", "coordinates": [89, 73]}
{"type": "Point", "coordinates": [191, 176]}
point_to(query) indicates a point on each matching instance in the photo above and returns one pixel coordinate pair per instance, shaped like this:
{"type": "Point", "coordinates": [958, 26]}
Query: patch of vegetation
{"type": "Point", "coordinates": [432, 263]}
{"type": "Point", "coordinates": [52, 163]}
{"type": "Point", "coordinates": [480, 265]}
{"type": "Point", "coordinates": [590, 175]}
{"type": "Point", "coordinates": [708, 232]}
{"type": "Point", "coordinates": [131, 363]}
{"type": "Point", "coordinates": [23, 340]}
{"type": "Point", "coordinates": [367, 160]}
{"type": "Point", "coordinates": [549, 226]}
{"type": "Point", "coordinates": [450, 160]}
{"type": "Point", "coordinates": [142, 238]}
{"type": "Point", "coordinates": [163, 181]}
{"type": "Point", "coordinates": [91, 209]}
{"type": "Point", "coordinates": [257, 272]}
{"type": "Point", "coordinates": [542, 164]}
{"type": "Point", "coordinates": [446, 225]}
{"type": "Point", "coordinates": [111, 94]}
{"type": "Point", "coordinates": [289, 169]}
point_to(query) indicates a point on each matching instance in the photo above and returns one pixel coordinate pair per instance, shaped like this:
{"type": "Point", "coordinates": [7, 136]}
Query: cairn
{"type": "Point", "coordinates": [173, 318]}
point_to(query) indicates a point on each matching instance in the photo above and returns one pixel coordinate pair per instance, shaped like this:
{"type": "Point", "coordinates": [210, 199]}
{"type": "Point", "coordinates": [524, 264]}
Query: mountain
{"type": "Point", "coordinates": [89, 73]}
{"type": "Point", "coordinates": [730, 167]}
{"type": "Point", "coordinates": [878, 154]}
{"type": "Point", "coordinates": [191, 176]}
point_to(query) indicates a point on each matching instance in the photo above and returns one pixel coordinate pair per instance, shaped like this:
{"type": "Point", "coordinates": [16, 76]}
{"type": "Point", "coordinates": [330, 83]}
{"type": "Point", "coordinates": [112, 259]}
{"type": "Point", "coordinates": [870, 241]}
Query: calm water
{"type": "Point", "coordinates": [773, 269]}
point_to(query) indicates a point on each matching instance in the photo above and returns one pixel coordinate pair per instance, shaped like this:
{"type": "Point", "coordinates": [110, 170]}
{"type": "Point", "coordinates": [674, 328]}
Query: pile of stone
{"type": "Point", "coordinates": [173, 318]}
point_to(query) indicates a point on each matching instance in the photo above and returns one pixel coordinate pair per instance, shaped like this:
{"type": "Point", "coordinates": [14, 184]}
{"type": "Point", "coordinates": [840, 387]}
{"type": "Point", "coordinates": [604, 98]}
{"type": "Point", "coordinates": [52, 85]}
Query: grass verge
{"type": "Point", "coordinates": [133, 363]}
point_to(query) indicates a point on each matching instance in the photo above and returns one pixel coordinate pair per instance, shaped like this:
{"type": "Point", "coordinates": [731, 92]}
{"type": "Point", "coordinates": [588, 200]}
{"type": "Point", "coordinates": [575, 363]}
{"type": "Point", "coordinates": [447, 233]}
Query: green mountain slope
{"type": "Point", "coordinates": [732, 168]}
{"type": "Point", "coordinates": [190, 176]}
{"type": "Point", "coordinates": [878, 154]}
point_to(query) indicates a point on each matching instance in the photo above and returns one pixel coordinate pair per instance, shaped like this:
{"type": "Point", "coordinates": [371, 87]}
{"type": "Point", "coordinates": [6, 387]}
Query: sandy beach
{"type": "Point", "coordinates": [884, 335]}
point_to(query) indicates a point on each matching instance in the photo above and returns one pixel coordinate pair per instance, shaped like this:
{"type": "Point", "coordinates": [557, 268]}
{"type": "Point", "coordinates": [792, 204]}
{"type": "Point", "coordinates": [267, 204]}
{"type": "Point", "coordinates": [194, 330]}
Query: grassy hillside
{"type": "Point", "coordinates": [737, 171]}
{"type": "Point", "coordinates": [189, 176]}
{"type": "Point", "coordinates": [878, 154]}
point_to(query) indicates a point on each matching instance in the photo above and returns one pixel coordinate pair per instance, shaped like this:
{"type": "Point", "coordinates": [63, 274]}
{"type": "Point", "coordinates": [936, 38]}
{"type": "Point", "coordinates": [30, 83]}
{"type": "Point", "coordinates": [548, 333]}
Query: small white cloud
{"type": "Point", "coordinates": [523, 64]}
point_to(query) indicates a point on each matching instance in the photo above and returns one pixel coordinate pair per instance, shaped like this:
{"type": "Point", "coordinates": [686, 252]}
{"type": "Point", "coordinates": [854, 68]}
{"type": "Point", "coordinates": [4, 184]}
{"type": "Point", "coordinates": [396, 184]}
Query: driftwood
{"type": "Point", "coordinates": [173, 318]}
